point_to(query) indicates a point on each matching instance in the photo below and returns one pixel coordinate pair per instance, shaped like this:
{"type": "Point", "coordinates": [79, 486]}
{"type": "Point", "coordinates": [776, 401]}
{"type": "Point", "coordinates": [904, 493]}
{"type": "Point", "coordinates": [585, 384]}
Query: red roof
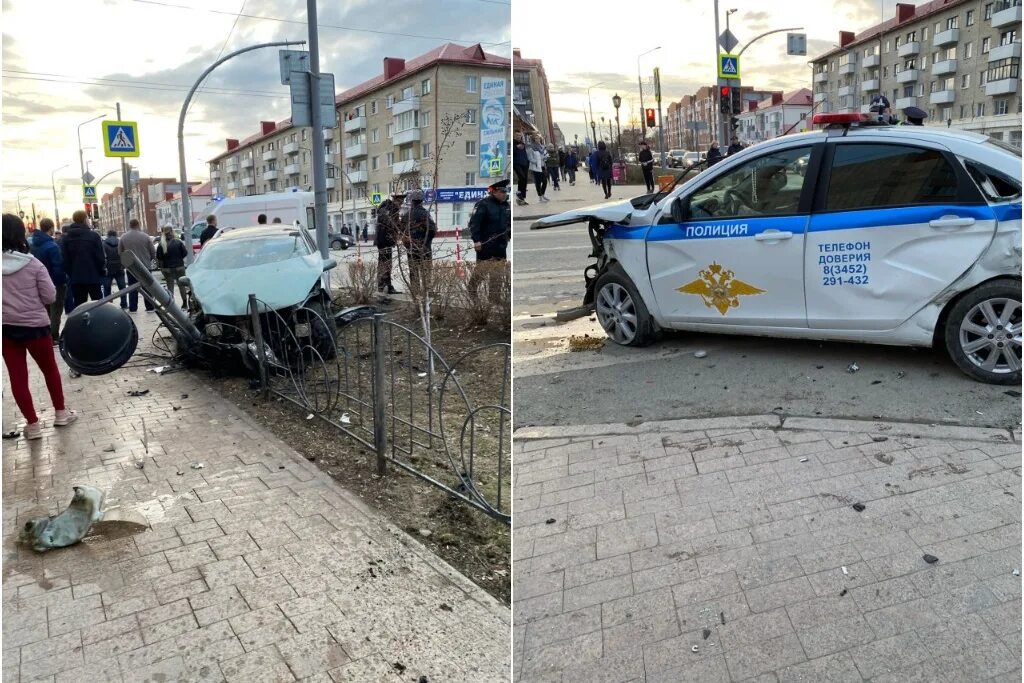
{"type": "Point", "coordinates": [449, 53]}
{"type": "Point", "coordinates": [281, 126]}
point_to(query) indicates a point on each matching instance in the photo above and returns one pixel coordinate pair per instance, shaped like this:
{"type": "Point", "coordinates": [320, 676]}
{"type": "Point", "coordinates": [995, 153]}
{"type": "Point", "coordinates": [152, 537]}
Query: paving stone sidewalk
{"type": "Point", "coordinates": [730, 550]}
{"type": "Point", "coordinates": [258, 567]}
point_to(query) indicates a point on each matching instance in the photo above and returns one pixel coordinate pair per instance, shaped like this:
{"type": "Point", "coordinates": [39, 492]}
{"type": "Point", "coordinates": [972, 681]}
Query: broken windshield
{"type": "Point", "coordinates": [246, 253]}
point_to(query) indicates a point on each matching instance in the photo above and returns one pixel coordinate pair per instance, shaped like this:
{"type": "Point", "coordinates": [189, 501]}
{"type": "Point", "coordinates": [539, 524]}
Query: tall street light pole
{"type": "Point", "coordinates": [81, 163]}
{"type": "Point", "coordinates": [53, 186]}
{"type": "Point", "coordinates": [617, 101]}
{"type": "Point", "coordinates": [640, 82]}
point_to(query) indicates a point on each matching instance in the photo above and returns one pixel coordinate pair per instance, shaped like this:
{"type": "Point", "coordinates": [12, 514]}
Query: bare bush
{"type": "Point", "coordinates": [362, 277]}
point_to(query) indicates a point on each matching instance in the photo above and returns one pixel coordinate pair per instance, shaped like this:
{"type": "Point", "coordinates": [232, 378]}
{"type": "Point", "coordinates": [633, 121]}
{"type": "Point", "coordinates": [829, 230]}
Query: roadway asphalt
{"type": "Point", "coordinates": [739, 375]}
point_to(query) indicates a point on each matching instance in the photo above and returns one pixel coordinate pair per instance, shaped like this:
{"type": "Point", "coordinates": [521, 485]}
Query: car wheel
{"type": "Point", "coordinates": [323, 330]}
{"type": "Point", "coordinates": [620, 310]}
{"type": "Point", "coordinates": [337, 244]}
{"type": "Point", "coordinates": [983, 333]}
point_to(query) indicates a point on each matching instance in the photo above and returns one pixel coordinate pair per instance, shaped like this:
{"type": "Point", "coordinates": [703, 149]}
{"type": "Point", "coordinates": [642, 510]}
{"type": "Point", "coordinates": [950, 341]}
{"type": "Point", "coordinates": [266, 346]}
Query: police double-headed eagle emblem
{"type": "Point", "coordinates": [719, 288]}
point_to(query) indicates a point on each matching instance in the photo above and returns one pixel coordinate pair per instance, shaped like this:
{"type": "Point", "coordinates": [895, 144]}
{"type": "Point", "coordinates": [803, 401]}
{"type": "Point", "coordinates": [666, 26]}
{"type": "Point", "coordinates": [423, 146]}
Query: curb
{"type": "Point", "coordinates": [775, 422]}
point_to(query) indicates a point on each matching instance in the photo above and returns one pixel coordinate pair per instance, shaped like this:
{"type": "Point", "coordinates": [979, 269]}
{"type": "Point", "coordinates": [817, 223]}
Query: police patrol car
{"type": "Point", "coordinates": [899, 235]}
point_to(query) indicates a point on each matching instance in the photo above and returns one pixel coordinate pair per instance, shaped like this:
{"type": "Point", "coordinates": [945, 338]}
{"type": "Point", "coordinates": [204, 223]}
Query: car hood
{"type": "Point", "coordinates": [611, 212]}
{"type": "Point", "coordinates": [278, 285]}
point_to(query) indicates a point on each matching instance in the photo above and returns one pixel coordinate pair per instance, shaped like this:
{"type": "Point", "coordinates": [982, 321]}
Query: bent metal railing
{"type": "Point", "coordinates": [384, 386]}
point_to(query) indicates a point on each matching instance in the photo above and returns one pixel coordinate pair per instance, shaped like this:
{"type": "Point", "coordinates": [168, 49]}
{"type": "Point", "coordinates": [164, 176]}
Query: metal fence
{"type": "Point", "coordinates": [383, 385]}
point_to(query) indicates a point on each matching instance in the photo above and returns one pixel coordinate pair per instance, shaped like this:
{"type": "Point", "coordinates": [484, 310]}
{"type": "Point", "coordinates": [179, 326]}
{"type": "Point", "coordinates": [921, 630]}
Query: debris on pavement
{"type": "Point", "coordinates": [1016, 572]}
{"type": "Point", "coordinates": [859, 507]}
{"type": "Point", "coordinates": [425, 533]}
{"type": "Point", "coordinates": [700, 354]}
{"type": "Point", "coordinates": [585, 343]}
{"type": "Point", "coordinates": [399, 667]}
{"type": "Point", "coordinates": [550, 520]}
{"type": "Point", "coordinates": [12, 435]}
{"type": "Point", "coordinates": [845, 572]}
{"type": "Point", "coordinates": [445, 607]}
{"type": "Point", "coordinates": [900, 374]}
{"type": "Point", "coordinates": [706, 633]}
{"type": "Point", "coordinates": [879, 439]}
{"type": "Point", "coordinates": [198, 465]}
{"type": "Point", "coordinates": [852, 368]}
{"type": "Point", "coordinates": [803, 459]}
{"type": "Point", "coordinates": [345, 419]}
{"type": "Point", "coordinates": [721, 615]}
{"type": "Point", "coordinates": [184, 395]}
{"type": "Point", "coordinates": [695, 648]}
{"type": "Point", "coordinates": [930, 559]}
{"type": "Point", "coordinates": [877, 381]}
{"type": "Point", "coordinates": [140, 465]}
{"type": "Point", "coordinates": [1013, 393]}
{"type": "Point", "coordinates": [310, 416]}
{"type": "Point", "coordinates": [138, 392]}
{"type": "Point", "coordinates": [109, 449]}
{"type": "Point", "coordinates": [421, 374]}
{"type": "Point", "coordinates": [843, 592]}
{"type": "Point", "coordinates": [70, 526]}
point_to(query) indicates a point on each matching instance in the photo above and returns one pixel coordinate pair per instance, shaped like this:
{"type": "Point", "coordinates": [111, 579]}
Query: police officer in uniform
{"type": "Point", "coordinates": [418, 238]}
{"type": "Point", "coordinates": [490, 227]}
{"type": "Point", "coordinates": [385, 239]}
{"type": "Point", "coordinates": [915, 116]}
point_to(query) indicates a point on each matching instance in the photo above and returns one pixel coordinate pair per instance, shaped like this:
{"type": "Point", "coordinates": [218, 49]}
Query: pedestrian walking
{"type": "Point", "coordinates": [604, 168]}
{"type": "Point", "coordinates": [646, 160]}
{"type": "Point", "coordinates": [562, 156]}
{"type": "Point", "coordinates": [552, 164]}
{"type": "Point", "coordinates": [46, 250]}
{"type": "Point", "coordinates": [385, 237]}
{"type": "Point", "coordinates": [571, 162]}
{"type": "Point", "coordinates": [170, 258]}
{"type": "Point", "coordinates": [592, 166]}
{"type": "Point", "coordinates": [140, 244]}
{"type": "Point", "coordinates": [366, 233]}
{"type": "Point", "coordinates": [209, 231]}
{"type": "Point", "coordinates": [418, 240]}
{"type": "Point", "coordinates": [521, 169]}
{"type": "Point", "coordinates": [714, 154]}
{"type": "Point", "coordinates": [115, 271]}
{"type": "Point", "coordinates": [28, 289]}
{"type": "Point", "coordinates": [490, 226]}
{"type": "Point", "coordinates": [82, 252]}
{"type": "Point", "coordinates": [540, 178]}
{"type": "Point", "coordinates": [734, 146]}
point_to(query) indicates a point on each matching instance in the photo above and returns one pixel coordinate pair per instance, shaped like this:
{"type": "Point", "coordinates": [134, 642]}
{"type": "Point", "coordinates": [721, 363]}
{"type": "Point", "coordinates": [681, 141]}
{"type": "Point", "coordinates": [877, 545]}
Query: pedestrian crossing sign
{"type": "Point", "coordinates": [88, 193]}
{"type": "Point", "coordinates": [728, 66]}
{"type": "Point", "coordinates": [120, 138]}
{"type": "Point", "coordinates": [376, 198]}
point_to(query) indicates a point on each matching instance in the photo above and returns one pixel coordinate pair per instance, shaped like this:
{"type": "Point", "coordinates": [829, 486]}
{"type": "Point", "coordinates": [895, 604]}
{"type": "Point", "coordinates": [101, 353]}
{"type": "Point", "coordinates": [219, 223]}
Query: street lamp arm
{"type": "Point", "coordinates": [186, 207]}
{"type": "Point", "coordinates": [768, 33]}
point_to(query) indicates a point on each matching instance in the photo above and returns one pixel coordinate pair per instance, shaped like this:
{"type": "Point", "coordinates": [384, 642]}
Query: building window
{"type": "Point", "coordinates": [912, 36]}
{"type": "Point", "coordinates": [910, 64]}
{"type": "Point", "coordinates": [390, 131]}
{"type": "Point", "coordinates": [988, 11]}
{"type": "Point", "coordinates": [425, 87]}
{"type": "Point", "coordinates": [405, 154]}
{"type": "Point", "coordinates": [424, 119]}
{"type": "Point", "coordinates": [980, 109]}
{"type": "Point", "coordinates": [1002, 107]}
{"type": "Point", "coordinates": [375, 135]}
{"type": "Point", "coordinates": [408, 93]}
{"type": "Point", "coordinates": [390, 101]}
{"type": "Point", "coordinates": [270, 147]}
{"type": "Point", "coordinates": [390, 158]}
{"type": "Point", "coordinates": [924, 33]}
{"type": "Point", "coordinates": [965, 81]}
{"type": "Point", "coordinates": [885, 72]}
{"type": "Point", "coordinates": [407, 121]}
{"type": "Point", "coordinates": [470, 83]}
{"type": "Point", "coordinates": [373, 106]}
{"type": "Point", "coordinates": [471, 116]}
{"type": "Point", "coordinates": [982, 78]}
{"type": "Point", "coordinates": [898, 42]}
{"type": "Point", "coordinates": [273, 186]}
{"type": "Point", "coordinates": [952, 22]}
{"type": "Point", "coordinates": [470, 179]}
{"type": "Point", "coordinates": [376, 187]}
{"type": "Point", "coordinates": [1004, 68]}
{"type": "Point", "coordinates": [968, 50]}
{"type": "Point", "coordinates": [470, 148]}
{"type": "Point", "coordinates": [292, 138]}
{"type": "Point", "coordinates": [970, 18]}
{"type": "Point", "coordinates": [1007, 37]}
{"type": "Point", "coordinates": [425, 152]}
{"type": "Point", "coordinates": [986, 45]}
{"type": "Point", "coordinates": [458, 215]}
{"type": "Point", "coordinates": [888, 46]}
{"type": "Point", "coordinates": [963, 110]}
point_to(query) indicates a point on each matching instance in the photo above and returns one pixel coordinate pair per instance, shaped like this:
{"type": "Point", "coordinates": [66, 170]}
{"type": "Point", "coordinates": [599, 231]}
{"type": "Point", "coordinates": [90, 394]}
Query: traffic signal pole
{"type": "Point", "coordinates": [719, 128]}
{"type": "Point", "coordinates": [125, 198]}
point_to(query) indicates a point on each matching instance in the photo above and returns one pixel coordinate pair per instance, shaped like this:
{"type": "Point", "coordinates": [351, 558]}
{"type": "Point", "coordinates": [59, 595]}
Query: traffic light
{"type": "Point", "coordinates": [88, 209]}
{"type": "Point", "coordinates": [734, 124]}
{"type": "Point", "coordinates": [651, 120]}
{"type": "Point", "coordinates": [725, 99]}
{"type": "Point", "coordinates": [736, 101]}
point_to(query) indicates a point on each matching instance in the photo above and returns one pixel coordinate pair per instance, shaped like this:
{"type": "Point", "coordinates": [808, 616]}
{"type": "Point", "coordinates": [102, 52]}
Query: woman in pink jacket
{"type": "Point", "coordinates": [27, 290]}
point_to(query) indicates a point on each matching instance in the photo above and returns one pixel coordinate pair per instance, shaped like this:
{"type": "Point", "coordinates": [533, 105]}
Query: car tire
{"type": "Point", "coordinates": [983, 333]}
{"type": "Point", "coordinates": [620, 310]}
{"type": "Point", "coordinates": [324, 330]}
{"type": "Point", "coordinates": [337, 244]}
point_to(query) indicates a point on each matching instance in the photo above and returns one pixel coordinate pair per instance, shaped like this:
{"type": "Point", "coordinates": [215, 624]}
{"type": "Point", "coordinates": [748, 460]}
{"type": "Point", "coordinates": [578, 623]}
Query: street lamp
{"type": "Point", "coordinates": [593, 125]}
{"type": "Point", "coordinates": [640, 82]}
{"type": "Point", "coordinates": [727, 13]}
{"type": "Point", "coordinates": [19, 197]}
{"type": "Point", "coordinates": [53, 186]}
{"type": "Point", "coordinates": [617, 101]}
{"type": "Point", "coordinates": [81, 163]}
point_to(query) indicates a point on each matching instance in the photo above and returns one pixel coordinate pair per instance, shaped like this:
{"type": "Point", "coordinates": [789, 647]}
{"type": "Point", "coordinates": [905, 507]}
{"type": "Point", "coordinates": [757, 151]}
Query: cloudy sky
{"type": "Point", "coordinates": [584, 43]}
{"type": "Point", "coordinates": [66, 61]}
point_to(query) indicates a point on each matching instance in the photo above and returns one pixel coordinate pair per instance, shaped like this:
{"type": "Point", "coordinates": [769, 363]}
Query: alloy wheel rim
{"type": "Point", "coordinates": [617, 313]}
{"type": "Point", "coordinates": [990, 335]}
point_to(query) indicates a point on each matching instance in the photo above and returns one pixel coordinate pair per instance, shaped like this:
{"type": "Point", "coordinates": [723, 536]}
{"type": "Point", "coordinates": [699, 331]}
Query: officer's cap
{"type": "Point", "coordinates": [500, 185]}
{"type": "Point", "coordinates": [915, 113]}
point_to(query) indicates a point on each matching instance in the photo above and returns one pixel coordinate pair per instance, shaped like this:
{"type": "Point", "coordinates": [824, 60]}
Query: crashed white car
{"type": "Point", "coordinates": [899, 235]}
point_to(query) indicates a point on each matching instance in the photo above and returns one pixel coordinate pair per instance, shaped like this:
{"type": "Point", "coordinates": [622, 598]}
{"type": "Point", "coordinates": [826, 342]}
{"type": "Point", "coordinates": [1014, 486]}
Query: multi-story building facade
{"type": "Point", "coordinates": [531, 94]}
{"type": "Point", "coordinates": [776, 115]}
{"type": "Point", "coordinates": [958, 60]}
{"type": "Point", "coordinates": [168, 210]}
{"type": "Point", "coordinates": [697, 116]}
{"type": "Point", "coordinates": [144, 193]}
{"type": "Point", "coordinates": [418, 125]}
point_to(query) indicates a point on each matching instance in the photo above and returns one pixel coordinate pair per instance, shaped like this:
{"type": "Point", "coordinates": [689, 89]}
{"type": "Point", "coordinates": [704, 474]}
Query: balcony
{"type": "Point", "coordinates": [328, 134]}
{"type": "Point", "coordinates": [1005, 14]}
{"type": "Point", "coordinates": [268, 155]}
{"type": "Point", "coordinates": [848, 69]}
{"type": "Point", "coordinates": [847, 90]}
{"type": "Point", "coordinates": [399, 108]}
{"type": "Point", "coordinates": [291, 169]}
{"type": "Point", "coordinates": [330, 183]}
{"type": "Point", "coordinates": [1005, 86]}
{"type": "Point", "coordinates": [821, 77]}
{"type": "Point", "coordinates": [356, 176]}
{"type": "Point", "coordinates": [871, 61]}
{"type": "Point", "coordinates": [290, 148]}
{"type": "Point", "coordinates": [942, 97]}
{"type": "Point", "coordinates": [820, 97]}
{"type": "Point", "coordinates": [1004, 52]}
{"type": "Point", "coordinates": [231, 166]}
{"type": "Point", "coordinates": [904, 102]}
{"type": "Point", "coordinates": [908, 76]}
{"type": "Point", "coordinates": [248, 181]}
{"type": "Point", "coordinates": [246, 163]}
{"type": "Point", "coordinates": [270, 175]}
{"type": "Point", "coordinates": [946, 66]}
{"type": "Point", "coordinates": [406, 136]}
{"type": "Point", "coordinates": [355, 151]}
{"type": "Point", "coordinates": [947, 37]}
{"type": "Point", "coordinates": [870, 85]}
{"type": "Point", "coordinates": [407, 166]}
{"type": "Point", "coordinates": [214, 174]}
{"type": "Point", "coordinates": [354, 124]}
{"type": "Point", "coordinates": [909, 49]}
{"type": "Point", "coordinates": [232, 186]}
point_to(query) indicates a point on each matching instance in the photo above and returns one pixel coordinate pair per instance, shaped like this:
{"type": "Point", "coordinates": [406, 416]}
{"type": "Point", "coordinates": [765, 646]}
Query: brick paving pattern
{"type": "Point", "coordinates": [257, 567]}
{"type": "Point", "coordinates": [631, 550]}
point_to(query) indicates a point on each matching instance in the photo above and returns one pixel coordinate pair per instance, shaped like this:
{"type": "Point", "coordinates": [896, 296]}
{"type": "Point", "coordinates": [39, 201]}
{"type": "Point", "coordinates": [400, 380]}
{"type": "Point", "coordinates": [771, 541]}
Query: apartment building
{"type": "Point", "coordinates": [958, 60]}
{"type": "Point", "coordinates": [431, 122]}
{"type": "Point", "coordinates": [145, 193]}
{"type": "Point", "coordinates": [168, 210]}
{"type": "Point", "coordinates": [531, 93]}
{"type": "Point", "coordinates": [693, 122]}
{"type": "Point", "coordinates": [776, 115]}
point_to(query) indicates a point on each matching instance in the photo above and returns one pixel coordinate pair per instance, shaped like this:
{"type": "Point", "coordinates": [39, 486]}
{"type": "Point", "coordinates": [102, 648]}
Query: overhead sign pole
{"type": "Point", "coordinates": [319, 168]}
{"type": "Point", "coordinates": [125, 198]}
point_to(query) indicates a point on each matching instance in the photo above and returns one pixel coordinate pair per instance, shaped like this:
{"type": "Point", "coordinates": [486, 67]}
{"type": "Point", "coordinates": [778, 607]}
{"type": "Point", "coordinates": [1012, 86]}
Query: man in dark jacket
{"type": "Point", "coordinates": [209, 231]}
{"type": "Point", "coordinates": [490, 227]}
{"type": "Point", "coordinates": [521, 170]}
{"type": "Point", "coordinates": [170, 258]}
{"type": "Point", "coordinates": [115, 271]}
{"type": "Point", "coordinates": [385, 238]}
{"type": "Point", "coordinates": [571, 162]}
{"type": "Point", "coordinates": [46, 250]}
{"type": "Point", "coordinates": [561, 162]}
{"type": "Point", "coordinates": [646, 160]}
{"type": "Point", "coordinates": [81, 249]}
{"type": "Point", "coordinates": [734, 146]}
{"type": "Point", "coordinates": [714, 154]}
{"type": "Point", "coordinates": [418, 239]}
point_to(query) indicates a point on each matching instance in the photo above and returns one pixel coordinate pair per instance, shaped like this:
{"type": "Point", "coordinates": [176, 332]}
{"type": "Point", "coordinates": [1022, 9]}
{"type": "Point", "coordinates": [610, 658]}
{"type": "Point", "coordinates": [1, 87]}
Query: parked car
{"type": "Point", "coordinates": [676, 158]}
{"type": "Point", "coordinates": [691, 158]}
{"type": "Point", "coordinates": [900, 235]}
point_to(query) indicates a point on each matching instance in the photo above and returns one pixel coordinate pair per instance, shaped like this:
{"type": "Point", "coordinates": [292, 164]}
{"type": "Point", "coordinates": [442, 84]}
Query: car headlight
{"type": "Point", "coordinates": [214, 330]}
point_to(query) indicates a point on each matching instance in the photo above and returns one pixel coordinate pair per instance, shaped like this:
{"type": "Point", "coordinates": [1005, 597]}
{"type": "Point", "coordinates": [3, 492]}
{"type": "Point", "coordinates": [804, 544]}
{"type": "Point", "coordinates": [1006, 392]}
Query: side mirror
{"type": "Point", "coordinates": [329, 263]}
{"type": "Point", "coordinates": [680, 209]}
